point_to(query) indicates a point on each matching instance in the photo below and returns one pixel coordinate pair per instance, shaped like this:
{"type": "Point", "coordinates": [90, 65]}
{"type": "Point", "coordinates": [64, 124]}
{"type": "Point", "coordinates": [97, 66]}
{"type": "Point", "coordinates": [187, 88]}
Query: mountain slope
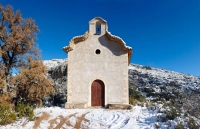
{"type": "Point", "coordinates": [153, 83]}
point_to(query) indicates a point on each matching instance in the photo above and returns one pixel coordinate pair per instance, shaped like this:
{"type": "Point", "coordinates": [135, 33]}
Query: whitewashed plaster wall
{"type": "Point", "coordinates": [85, 66]}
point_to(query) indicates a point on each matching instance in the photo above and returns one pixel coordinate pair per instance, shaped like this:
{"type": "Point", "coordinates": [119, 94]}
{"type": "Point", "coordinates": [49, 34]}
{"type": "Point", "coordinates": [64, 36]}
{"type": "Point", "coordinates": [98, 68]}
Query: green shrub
{"type": "Point", "coordinates": [24, 110]}
{"type": "Point", "coordinates": [132, 101]}
{"type": "Point", "coordinates": [179, 126]}
{"type": "Point", "coordinates": [171, 115]}
{"type": "Point", "coordinates": [156, 126]}
{"type": "Point", "coordinates": [147, 67]}
{"type": "Point", "coordinates": [192, 124]}
{"type": "Point", "coordinates": [185, 115]}
{"type": "Point", "coordinates": [168, 104]}
{"type": "Point", "coordinates": [172, 83]}
{"type": "Point", "coordinates": [6, 115]}
{"type": "Point", "coordinates": [129, 107]}
{"type": "Point", "coordinates": [136, 95]}
{"type": "Point", "coordinates": [149, 104]}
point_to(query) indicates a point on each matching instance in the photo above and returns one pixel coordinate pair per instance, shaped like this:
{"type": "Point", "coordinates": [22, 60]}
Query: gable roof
{"type": "Point", "coordinates": [111, 37]}
{"type": "Point", "coordinates": [98, 18]}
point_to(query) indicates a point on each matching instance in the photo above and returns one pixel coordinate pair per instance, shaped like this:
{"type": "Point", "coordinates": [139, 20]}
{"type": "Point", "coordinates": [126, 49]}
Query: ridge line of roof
{"type": "Point", "coordinates": [99, 18]}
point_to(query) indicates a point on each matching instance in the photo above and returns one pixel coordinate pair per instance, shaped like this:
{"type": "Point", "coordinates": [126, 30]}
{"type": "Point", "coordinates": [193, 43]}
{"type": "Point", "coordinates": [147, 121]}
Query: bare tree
{"type": "Point", "coordinates": [17, 39]}
{"type": "Point", "coordinates": [18, 50]}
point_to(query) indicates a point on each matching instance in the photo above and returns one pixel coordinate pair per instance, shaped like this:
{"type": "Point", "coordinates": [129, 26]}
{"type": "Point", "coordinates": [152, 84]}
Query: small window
{"type": "Point", "coordinates": [97, 51]}
{"type": "Point", "coordinates": [98, 27]}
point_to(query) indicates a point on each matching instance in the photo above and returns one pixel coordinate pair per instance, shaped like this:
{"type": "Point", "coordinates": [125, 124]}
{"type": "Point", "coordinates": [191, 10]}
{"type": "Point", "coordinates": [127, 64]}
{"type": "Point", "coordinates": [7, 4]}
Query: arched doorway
{"type": "Point", "coordinates": [97, 93]}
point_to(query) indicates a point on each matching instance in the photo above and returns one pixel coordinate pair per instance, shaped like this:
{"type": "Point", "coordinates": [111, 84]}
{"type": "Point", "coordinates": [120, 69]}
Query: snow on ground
{"type": "Point", "coordinates": [92, 118]}
{"type": "Point", "coordinates": [55, 117]}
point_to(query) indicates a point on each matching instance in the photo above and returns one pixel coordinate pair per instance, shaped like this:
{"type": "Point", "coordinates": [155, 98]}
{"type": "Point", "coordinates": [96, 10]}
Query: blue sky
{"type": "Point", "coordinates": [163, 33]}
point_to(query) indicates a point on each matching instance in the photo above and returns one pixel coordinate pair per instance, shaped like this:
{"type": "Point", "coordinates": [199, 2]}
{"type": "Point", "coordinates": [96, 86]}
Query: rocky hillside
{"type": "Point", "coordinates": [57, 71]}
{"type": "Point", "coordinates": [153, 83]}
{"type": "Point", "coordinates": [183, 90]}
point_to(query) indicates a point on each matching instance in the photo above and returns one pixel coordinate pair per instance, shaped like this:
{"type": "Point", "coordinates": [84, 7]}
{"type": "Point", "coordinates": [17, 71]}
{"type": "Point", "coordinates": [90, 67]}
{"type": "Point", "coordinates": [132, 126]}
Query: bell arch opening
{"type": "Point", "coordinates": [98, 28]}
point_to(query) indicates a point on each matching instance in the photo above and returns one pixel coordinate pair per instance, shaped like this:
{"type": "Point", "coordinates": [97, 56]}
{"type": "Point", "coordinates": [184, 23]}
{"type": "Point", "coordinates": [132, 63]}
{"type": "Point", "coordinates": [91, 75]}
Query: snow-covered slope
{"type": "Point", "coordinates": [143, 77]}
{"type": "Point", "coordinates": [154, 83]}
{"type": "Point", "coordinates": [140, 76]}
{"type": "Point", "coordinates": [165, 76]}
{"type": "Point", "coordinates": [51, 64]}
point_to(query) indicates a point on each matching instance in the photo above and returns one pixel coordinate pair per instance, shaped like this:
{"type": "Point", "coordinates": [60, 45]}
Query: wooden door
{"type": "Point", "coordinates": [97, 91]}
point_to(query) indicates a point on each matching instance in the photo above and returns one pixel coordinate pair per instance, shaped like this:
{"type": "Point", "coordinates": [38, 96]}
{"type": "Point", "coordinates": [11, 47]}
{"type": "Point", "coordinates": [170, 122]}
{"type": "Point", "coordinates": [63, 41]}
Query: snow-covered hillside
{"type": "Point", "coordinates": [153, 83]}
{"type": "Point", "coordinates": [51, 64]}
{"type": "Point", "coordinates": [153, 80]}
{"type": "Point", "coordinates": [164, 76]}
{"type": "Point", "coordinates": [57, 71]}
{"type": "Point", "coordinates": [158, 84]}
{"type": "Point", "coordinates": [139, 76]}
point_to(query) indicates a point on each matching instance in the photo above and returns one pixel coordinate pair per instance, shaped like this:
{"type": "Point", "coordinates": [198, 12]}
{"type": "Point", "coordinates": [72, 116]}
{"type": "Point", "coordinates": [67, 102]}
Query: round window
{"type": "Point", "coordinates": [97, 51]}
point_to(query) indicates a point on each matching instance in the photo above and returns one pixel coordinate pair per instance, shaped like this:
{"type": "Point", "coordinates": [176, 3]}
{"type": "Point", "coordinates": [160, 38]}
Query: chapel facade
{"type": "Point", "coordinates": [97, 68]}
